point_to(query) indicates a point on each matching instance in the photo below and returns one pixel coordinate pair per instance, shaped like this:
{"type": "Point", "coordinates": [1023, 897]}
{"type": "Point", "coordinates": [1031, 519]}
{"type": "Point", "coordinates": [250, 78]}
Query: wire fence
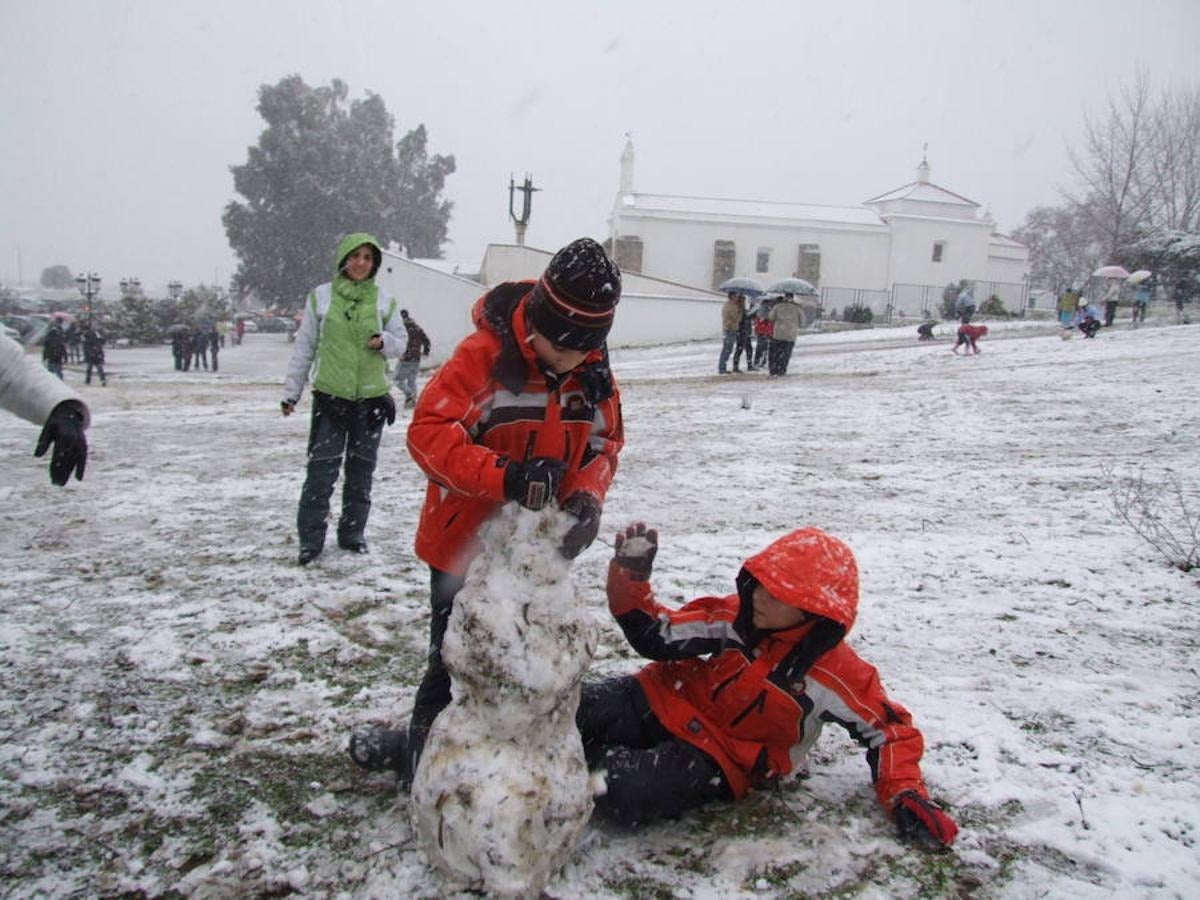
{"type": "Point", "coordinates": [917, 301]}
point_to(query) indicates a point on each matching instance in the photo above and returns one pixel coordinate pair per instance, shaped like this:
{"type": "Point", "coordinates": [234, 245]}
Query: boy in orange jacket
{"type": "Point", "coordinates": [741, 687]}
{"type": "Point", "coordinates": [525, 410]}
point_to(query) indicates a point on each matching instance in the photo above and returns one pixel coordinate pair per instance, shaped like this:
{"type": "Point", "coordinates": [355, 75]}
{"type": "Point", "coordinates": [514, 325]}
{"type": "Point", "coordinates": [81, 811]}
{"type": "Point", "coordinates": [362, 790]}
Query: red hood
{"type": "Point", "coordinates": [812, 571]}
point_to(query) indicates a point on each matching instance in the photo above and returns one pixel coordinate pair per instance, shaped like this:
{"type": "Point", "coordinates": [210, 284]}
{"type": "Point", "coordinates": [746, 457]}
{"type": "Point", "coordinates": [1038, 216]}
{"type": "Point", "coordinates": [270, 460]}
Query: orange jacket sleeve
{"type": "Point", "coordinates": [848, 691]}
{"type": "Point", "coordinates": [439, 436]}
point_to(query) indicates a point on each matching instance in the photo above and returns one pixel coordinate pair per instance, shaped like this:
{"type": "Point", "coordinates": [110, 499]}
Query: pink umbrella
{"type": "Point", "coordinates": [62, 316]}
{"type": "Point", "coordinates": [1111, 272]}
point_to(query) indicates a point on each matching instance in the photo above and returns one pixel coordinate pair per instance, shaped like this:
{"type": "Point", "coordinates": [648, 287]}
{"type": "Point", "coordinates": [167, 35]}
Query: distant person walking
{"type": "Point", "coordinates": [348, 331]}
{"type": "Point", "coordinates": [410, 363]}
{"type": "Point", "coordinates": [54, 348]}
{"type": "Point", "coordinates": [964, 304]}
{"type": "Point", "coordinates": [74, 343]}
{"type": "Point", "coordinates": [1181, 296]}
{"type": "Point", "coordinates": [214, 345]}
{"type": "Point", "coordinates": [93, 354]}
{"type": "Point", "coordinates": [762, 332]}
{"type": "Point", "coordinates": [1112, 299]}
{"type": "Point", "coordinates": [1141, 302]}
{"type": "Point", "coordinates": [181, 347]}
{"type": "Point", "coordinates": [785, 316]}
{"type": "Point", "coordinates": [200, 349]}
{"type": "Point", "coordinates": [1068, 303]}
{"type": "Point", "coordinates": [745, 324]}
{"type": "Point", "coordinates": [731, 317]}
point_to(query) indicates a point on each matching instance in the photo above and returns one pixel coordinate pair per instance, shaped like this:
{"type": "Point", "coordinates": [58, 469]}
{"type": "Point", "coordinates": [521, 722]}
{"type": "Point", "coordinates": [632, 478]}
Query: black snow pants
{"type": "Point", "coordinates": [650, 773]}
{"type": "Point", "coordinates": [433, 693]}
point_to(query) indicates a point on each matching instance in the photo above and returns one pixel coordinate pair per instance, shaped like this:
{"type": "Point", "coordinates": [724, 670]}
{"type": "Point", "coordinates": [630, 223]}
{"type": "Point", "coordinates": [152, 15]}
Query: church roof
{"type": "Point", "coordinates": [759, 209]}
{"type": "Point", "coordinates": [926, 192]}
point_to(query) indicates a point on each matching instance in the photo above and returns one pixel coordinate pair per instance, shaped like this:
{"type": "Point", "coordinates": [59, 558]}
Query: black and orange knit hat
{"type": "Point", "coordinates": [574, 301]}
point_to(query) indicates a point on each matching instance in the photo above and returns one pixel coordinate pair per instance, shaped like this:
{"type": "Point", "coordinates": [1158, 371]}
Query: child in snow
{"type": "Point", "coordinates": [968, 336]}
{"type": "Point", "coordinates": [1087, 319]}
{"type": "Point", "coordinates": [741, 687]}
{"type": "Point", "coordinates": [525, 410]}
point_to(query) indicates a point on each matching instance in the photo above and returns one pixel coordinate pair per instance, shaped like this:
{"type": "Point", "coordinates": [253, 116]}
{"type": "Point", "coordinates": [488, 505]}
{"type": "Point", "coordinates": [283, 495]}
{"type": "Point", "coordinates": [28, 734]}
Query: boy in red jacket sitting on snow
{"type": "Point", "coordinates": [741, 687]}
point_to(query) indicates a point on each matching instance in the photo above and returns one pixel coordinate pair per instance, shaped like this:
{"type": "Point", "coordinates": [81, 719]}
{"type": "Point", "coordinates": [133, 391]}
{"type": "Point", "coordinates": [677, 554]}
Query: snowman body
{"type": "Point", "coordinates": [502, 791]}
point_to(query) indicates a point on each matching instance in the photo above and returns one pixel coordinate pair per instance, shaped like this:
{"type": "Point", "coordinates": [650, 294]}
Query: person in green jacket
{"type": "Point", "coordinates": [348, 330]}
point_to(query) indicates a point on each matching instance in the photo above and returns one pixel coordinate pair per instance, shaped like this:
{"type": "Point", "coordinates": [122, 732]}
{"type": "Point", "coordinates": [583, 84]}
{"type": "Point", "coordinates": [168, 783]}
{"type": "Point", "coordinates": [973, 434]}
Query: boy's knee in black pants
{"type": "Point", "coordinates": [649, 773]}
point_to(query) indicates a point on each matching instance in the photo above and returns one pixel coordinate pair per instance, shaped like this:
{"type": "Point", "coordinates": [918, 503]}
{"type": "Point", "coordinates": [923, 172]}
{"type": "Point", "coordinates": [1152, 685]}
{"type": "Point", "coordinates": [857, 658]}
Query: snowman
{"type": "Point", "coordinates": [502, 792]}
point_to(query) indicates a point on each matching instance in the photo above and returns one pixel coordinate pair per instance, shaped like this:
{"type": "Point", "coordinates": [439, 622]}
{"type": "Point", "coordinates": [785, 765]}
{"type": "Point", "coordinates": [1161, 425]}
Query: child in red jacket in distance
{"type": "Point", "coordinates": [741, 687]}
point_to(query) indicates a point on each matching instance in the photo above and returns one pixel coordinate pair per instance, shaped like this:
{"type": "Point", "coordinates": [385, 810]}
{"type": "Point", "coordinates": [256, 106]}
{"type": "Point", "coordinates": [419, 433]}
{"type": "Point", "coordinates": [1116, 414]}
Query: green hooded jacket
{"type": "Point", "coordinates": [344, 366]}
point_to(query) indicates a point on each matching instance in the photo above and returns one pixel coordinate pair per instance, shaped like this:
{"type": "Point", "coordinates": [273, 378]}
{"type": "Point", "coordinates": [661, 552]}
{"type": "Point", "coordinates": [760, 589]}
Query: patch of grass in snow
{"type": "Point", "coordinates": [400, 662]}
{"type": "Point", "coordinates": [776, 875]}
{"type": "Point", "coordinates": [639, 886]}
{"type": "Point", "coordinates": [913, 873]}
{"type": "Point", "coordinates": [282, 782]}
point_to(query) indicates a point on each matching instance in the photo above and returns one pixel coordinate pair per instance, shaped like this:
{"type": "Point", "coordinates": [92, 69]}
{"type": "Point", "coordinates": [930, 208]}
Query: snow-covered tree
{"type": "Point", "coordinates": [57, 277]}
{"type": "Point", "coordinates": [326, 166]}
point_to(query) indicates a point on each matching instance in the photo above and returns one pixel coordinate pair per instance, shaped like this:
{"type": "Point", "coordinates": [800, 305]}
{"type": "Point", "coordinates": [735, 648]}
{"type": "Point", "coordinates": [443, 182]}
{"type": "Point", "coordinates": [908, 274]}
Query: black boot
{"type": "Point", "coordinates": [381, 750]}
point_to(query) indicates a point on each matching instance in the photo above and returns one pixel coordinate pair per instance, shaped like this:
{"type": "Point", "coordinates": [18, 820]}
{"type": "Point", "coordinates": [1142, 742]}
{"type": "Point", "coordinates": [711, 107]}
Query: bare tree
{"type": "Point", "coordinates": [1113, 167]}
{"type": "Point", "coordinates": [1063, 247]}
{"type": "Point", "coordinates": [1137, 195]}
{"type": "Point", "coordinates": [1172, 174]}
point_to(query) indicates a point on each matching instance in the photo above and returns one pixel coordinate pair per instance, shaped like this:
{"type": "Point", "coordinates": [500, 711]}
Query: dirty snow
{"type": "Point", "coordinates": [177, 692]}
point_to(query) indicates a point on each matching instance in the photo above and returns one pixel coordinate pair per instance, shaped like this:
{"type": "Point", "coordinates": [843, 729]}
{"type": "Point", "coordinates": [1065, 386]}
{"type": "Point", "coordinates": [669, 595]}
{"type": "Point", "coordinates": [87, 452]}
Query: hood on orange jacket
{"type": "Point", "coordinates": [810, 570]}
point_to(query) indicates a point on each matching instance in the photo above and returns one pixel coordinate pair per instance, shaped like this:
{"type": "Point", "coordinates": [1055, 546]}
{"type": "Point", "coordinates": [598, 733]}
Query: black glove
{"type": "Point", "coordinates": [635, 551]}
{"type": "Point", "coordinates": [920, 820]}
{"type": "Point", "coordinates": [579, 537]}
{"type": "Point", "coordinates": [533, 483]}
{"type": "Point", "coordinates": [64, 429]}
{"type": "Point", "coordinates": [383, 409]}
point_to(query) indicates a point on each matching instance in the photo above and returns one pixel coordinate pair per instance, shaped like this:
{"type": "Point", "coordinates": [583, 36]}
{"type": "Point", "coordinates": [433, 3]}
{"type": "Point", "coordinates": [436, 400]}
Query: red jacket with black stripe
{"type": "Point", "coordinates": [492, 402]}
{"type": "Point", "coordinates": [756, 701]}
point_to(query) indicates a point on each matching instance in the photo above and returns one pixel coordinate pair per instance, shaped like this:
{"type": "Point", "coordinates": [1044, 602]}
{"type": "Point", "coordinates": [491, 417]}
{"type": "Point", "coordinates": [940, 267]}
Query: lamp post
{"type": "Point", "coordinates": [174, 288]}
{"type": "Point", "coordinates": [130, 287]}
{"type": "Point", "coordinates": [89, 286]}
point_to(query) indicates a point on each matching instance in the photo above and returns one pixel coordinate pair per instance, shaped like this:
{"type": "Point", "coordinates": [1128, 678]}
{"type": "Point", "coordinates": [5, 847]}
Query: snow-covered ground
{"type": "Point", "coordinates": [176, 692]}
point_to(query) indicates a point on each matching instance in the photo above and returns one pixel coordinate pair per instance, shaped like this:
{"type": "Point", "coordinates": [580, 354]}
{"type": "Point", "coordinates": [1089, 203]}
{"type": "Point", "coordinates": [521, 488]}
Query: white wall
{"type": "Point", "coordinates": [440, 303]}
{"type": "Point", "coordinates": [682, 251]}
{"type": "Point", "coordinates": [965, 255]}
{"type": "Point", "coordinates": [651, 311]}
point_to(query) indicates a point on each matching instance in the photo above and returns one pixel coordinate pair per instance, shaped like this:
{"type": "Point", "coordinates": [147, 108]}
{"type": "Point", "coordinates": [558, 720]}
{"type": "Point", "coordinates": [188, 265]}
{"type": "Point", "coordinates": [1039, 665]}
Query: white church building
{"type": "Point", "coordinates": [895, 252]}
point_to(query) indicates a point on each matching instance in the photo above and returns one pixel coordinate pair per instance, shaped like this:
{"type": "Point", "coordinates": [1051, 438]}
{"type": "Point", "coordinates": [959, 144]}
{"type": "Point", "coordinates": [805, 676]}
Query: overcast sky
{"type": "Point", "coordinates": [120, 120]}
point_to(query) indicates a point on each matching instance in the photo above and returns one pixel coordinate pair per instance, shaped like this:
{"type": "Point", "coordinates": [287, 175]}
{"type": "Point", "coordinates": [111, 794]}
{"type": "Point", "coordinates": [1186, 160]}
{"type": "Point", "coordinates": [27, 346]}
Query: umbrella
{"type": "Point", "coordinates": [793, 286]}
{"type": "Point", "coordinates": [177, 328]}
{"type": "Point", "coordinates": [741, 285]}
{"type": "Point", "coordinates": [67, 317]}
{"type": "Point", "coordinates": [1111, 272]}
{"type": "Point", "coordinates": [1139, 276]}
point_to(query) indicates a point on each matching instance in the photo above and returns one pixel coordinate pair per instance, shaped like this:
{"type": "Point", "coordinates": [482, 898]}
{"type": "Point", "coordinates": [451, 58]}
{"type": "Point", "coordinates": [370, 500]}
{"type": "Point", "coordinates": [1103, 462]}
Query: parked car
{"type": "Point", "coordinates": [275, 325]}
